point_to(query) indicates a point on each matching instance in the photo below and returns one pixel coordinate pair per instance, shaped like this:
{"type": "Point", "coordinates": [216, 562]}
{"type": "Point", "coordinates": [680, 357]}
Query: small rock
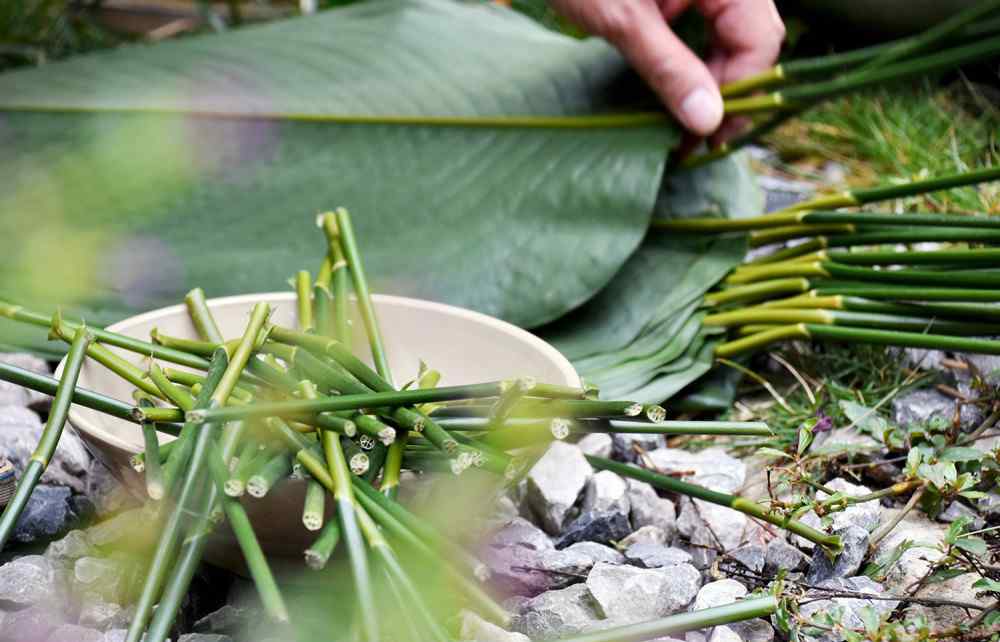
{"type": "Point", "coordinates": [75, 633]}
{"type": "Point", "coordinates": [849, 561]}
{"type": "Point", "coordinates": [710, 525]}
{"type": "Point", "coordinates": [506, 509]}
{"type": "Point", "coordinates": [12, 394]}
{"type": "Point", "coordinates": [46, 514]}
{"type": "Point", "coordinates": [649, 509]}
{"type": "Point", "coordinates": [72, 546]}
{"type": "Point", "coordinates": [756, 630]}
{"type": "Point", "coordinates": [783, 556]}
{"type": "Point", "coordinates": [751, 556]}
{"type": "Point", "coordinates": [204, 637]}
{"type": "Point", "coordinates": [30, 625]}
{"type": "Point", "coordinates": [27, 581]}
{"type": "Point", "coordinates": [867, 515]}
{"type": "Point", "coordinates": [101, 576]}
{"type": "Point", "coordinates": [521, 532]}
{"type": "Point", "coordinates": [476, 629]}
{"type": "Point", "coordinates": [636, 594]}
{"type": "Point", "coordinates": [99, 614]}
{"type": "Point", "coordinates": [724, 634]}
{"type": "Point", "coordinates": [628, 446]}
{"type": "Point", "coordinates": [718, 593]}
{"type": "Point", "coordinates": [988, 366]}
{"type": "Point", "coordinates": [21, 431]}
{"type": "Point", "coordinates": [989, 506]}
{"type": "Point", "coordinates": [121, 530]}
{"type": "Point", "coordinates": [229, 619]}
{"type": "Point", "coordinates": [919, 358]}
{"type": "Point", "coordinates": [596, 444]}
{"type": "Point", "coordinates": [958, 510]}
{"type": "Point", "coordinates": [711, 468]}
{"type": "Point", "coordinates": [648, 555]}
{"type": "Point", "coordinates": [555, 483]}
{"type": "Point", "coordinates": [606, 492]}
{"type": "Point", "coordinates": [572, 564]}
{"type": "Point", "coordinates": [852, 607]}
{"type": "Point", "coordinates": [695, 636]}
{"type": "Point", "coordinates": [107, 494]}
{"type": "Point", "coordinates": [645, 535]}
{"type": "Point", "coordinates": [557, 613]}
{"type": "Point", "coordinates": [596, 527]}
{"type": "Point", "coordinates": [920, 406]}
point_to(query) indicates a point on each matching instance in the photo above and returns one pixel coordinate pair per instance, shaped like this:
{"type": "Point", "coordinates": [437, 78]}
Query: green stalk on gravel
{"type": "Point", "coordinates": [49, 385]}
{"type": "Point", "coordinates": [809, 331]}
{"type": "Point", "coordinates": [747, 609]}
{"type": "Point", "coordinates": [830, 542]}
{"type": "Point", "coordinates": [348, 516]}
{"type": "Point", "coordinates": [733, 428]}
{"type": "Point", "coordinates": [46, 447]}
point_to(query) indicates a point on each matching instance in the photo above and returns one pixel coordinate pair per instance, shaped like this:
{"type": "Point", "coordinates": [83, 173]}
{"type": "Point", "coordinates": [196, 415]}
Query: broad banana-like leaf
{"type": "Point", "coordinates": [488, 162]}
{"type": "Point", "coordinates": [641, 337]}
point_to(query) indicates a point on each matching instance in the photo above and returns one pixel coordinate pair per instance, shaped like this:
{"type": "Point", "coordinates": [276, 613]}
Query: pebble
{"type": "Point", "coordinates": [711, 468]}
{"type": "Point", "coordinates": [649, 509]}
{"type": "Point", "coordinates": [476, 629]}
{"type": "Point", "coordinates": [606, 492]}
{"type": "Point", "coordinates": [22, 429]}
{"type": "Point", "coordinates": [554, 484]}
{"type": "Point", "coordinates": [756, 630]}
{"type": "Point", "coordinates": [27, 581]}
{"type": "Point", "coordinates": [636, 594]}
{"type": "Point", "coordinates": [847, 564]}
{"type": "Point", "coordinates": [14, 395]}
{"type": "Point", "coordinates": [47, 514]}
{"type": "Point", "coordinates": [32, 624]}
{"type": "Point", "coordinates": [97, 613]}
{"type": "Point", "coordinates": [851, 607]}
{"type": "Point", "coordinates": [103, 576]}
{"type": "Point", "coordinates": [72, 546]}
{"type": "Point", "coordinates": [75, 633]}
{"type": "Point", "coordinates": [920, 406]}
{"type": "Point", "coordinates": [572, 564]}
{"type": "Point", "coordinates": [596, 444]}
{"type": "Point", "coordinates": [783, 556]}
{"type": "Point", "coordinates": [647, 535]}
{"type": "Point", "coordinates": [521, 532]}
{"type": "Point", "coordinates": [710, 525]}
{"type": "Point", "coordinates": [513, 558]}
{"type": "Point", "coordinates": [557, 613]}
{"type": "Point", "coordinates": [867, 515]}
{"type": "Point", "coordinates": [649, 555]}
{"type": "Point", "coordinates": [628, 446]}
{"type": "Point", "coordinates": [718, 593]}
{"type": "Point", "coordinates": [601, 527]}
{"type": "Point", "coordinates": [724, 634]}
{"type": "Point", "coordinates": [229, 618]}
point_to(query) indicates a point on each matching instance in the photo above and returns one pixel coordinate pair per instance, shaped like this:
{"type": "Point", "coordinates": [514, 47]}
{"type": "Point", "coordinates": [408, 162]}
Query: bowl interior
{"type": "Point", "coordinates": [465, 346]}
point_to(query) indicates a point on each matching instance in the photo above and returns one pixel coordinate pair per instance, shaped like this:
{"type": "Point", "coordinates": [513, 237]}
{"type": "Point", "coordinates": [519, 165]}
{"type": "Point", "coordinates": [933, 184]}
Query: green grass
{"type": "Point", "coordinates": [906, 132]}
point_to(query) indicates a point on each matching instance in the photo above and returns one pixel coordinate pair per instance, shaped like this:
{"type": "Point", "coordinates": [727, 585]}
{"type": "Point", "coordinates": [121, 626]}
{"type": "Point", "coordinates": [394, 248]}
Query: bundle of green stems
{"type": "Point", "coordinates": [787, 89]}
{"type": "Point", "coordinates": [281, 405]}
{"type": "Point", "coordinates": [851, 276]}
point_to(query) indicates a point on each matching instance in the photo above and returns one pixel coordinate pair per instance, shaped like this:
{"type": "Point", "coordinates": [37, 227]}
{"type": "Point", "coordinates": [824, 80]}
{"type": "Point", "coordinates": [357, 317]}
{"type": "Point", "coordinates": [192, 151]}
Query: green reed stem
{"type": "Point", "coordinates": [314, 507]}
{"type": "Point", "coordinates": [312, 407]}
{"type": "Point", "coordinates": [46, 447]}
{"type": "Point", "coordinates": [270, 473]}
{"type": "Point", "coordinates": [347, 514]}
{"type": "Point", "coordinates": [49, 385]}
{"type": "Point", "coordinates": [323, 546]}
{"type": "Point", "coordinates": [152, 468]}
{"type": "Point", "coordinates": [743, 505]}
{"type": "Point", "coordinates": [202, 317]}
{"type": "Point", "coordinates": [166, 547]}
{"type": "Point", "coordinates": [339, 279]}
{"type": "Point", "coordinates": [762, 315]}
{"type": "Point", "coordinates": [303, 297]}
{"type": "Point", "coordinates": [145, 348]}
{"type": "Point", "coordinates": [703, 619]}
{"type": "Point", "coordinates": [168, 390]}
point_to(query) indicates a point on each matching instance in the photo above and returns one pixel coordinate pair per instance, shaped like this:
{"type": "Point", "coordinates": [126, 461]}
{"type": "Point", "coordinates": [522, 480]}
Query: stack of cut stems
{"type": "Point", "coordinates": [850, 276]}
{"type": "Point", "coordinates": [283, 405]}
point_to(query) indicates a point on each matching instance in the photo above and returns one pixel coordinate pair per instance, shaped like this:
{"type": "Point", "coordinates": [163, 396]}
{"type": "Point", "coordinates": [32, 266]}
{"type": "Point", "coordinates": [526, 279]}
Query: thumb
{"type": "Point", "coordinates": [676, 74]}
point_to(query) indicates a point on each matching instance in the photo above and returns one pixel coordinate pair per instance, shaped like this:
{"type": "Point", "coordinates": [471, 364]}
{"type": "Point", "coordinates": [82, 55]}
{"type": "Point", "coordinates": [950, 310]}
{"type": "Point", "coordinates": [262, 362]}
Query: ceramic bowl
{"type": "Point", "coordinates": [465, 346]}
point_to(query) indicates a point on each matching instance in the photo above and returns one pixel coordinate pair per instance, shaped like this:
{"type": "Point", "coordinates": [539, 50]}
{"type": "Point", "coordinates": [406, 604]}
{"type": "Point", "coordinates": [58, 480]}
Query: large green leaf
{"type": "Point", "coordinates": [133, 175]}
{"type": "Point", "coordinates": [641, 337]}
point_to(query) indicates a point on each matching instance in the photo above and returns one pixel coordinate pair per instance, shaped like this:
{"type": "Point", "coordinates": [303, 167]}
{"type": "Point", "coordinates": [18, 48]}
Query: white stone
{"type": "Point", "coordinates": [649, 509]}
{"type": "Point", "coordinates": [718, 593]}
{"type": "Point", "coordinates": [596, 444]}
{"type": "Point", "coordinates": [711, 468]}
{"type": "Point", "coordinates": [555, 483]}
{"type": "Point", "coordinates": [476, 629]}
{"type": "Point", "coordinates": [606, 492]}
{"type": "Point", "coordinates": [637, 594]}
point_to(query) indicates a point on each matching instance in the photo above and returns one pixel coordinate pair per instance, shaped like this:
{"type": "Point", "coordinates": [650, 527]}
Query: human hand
{"type": "Point", "coordinates": [746, 39]}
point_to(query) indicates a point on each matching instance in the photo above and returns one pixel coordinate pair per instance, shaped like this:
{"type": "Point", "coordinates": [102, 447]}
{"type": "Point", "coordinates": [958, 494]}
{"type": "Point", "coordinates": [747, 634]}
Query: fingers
{"type": "Point", "coordinates": [747, 36]}
{"type": "Point", "coordinates": [681, 80]}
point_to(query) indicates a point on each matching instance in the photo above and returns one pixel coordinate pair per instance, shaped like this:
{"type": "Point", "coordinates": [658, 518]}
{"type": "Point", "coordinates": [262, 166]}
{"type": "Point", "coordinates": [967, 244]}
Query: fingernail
{"type": "Point", "coordinates": [701, 111]}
